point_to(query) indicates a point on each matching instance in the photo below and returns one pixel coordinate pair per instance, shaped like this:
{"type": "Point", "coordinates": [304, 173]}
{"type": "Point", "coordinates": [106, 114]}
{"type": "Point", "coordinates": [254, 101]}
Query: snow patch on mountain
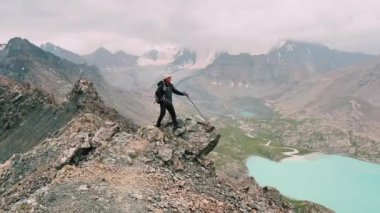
{"type": "Point", "coordinates": [2, 46]}
{"type": "Point", "coordinates": [204, 59]}
{"type": "Point", "coordinates": [177, 58]}
{"type": "Point", "coordinates": [185, 57]}
{"type": "Point", "coordinates": [159, 56]}
{"type": "Point", "coordinates": [290, 47]}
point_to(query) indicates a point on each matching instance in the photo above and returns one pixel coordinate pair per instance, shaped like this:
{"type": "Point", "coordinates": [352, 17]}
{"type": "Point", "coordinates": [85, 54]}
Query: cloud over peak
{"type": "Point", "coordinates": [237, 26]}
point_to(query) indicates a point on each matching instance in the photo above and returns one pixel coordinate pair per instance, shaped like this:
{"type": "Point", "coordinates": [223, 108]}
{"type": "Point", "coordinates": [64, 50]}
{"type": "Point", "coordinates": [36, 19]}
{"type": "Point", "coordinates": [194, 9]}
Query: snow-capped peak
{"type": "Point", "coordinates": [177, 58]}
{"type": "Point", "coordinates": [159, 56]}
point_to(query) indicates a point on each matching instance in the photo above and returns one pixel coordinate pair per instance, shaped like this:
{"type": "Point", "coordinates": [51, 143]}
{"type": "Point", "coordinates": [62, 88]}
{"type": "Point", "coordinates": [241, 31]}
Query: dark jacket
{"type": "Point", "coordinates": [164, 91]}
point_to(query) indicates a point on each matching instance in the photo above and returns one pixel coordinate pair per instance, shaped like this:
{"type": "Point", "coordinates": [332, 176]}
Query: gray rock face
{"type": "Point", "coordinates": [27, 116]}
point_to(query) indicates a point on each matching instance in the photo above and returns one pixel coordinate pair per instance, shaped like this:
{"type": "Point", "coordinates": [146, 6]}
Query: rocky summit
{"type": "Point", "coordinates": [101, 162]}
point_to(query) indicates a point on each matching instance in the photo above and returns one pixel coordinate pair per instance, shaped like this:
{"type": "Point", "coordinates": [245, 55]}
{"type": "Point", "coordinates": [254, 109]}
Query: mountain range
{"type": "Point", "coordinates": [101, 57]}
{"type": "Point", "coordinates": [297, 78]}
{"type": "Point", "coordinates": [291, 63]}
{"type": "Point", "coordinates": [56, 109]}
{"type": "Point", "coordinates": [271, 77]}
{"type": "Point", "coordinates": [267, 76]}
{"type": "Point", "coordinates": [173, 58]}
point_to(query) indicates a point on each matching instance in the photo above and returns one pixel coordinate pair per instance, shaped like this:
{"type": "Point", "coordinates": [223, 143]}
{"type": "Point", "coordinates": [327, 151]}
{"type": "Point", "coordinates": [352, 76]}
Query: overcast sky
{"type": "Point", "coordinates": [223, 25]}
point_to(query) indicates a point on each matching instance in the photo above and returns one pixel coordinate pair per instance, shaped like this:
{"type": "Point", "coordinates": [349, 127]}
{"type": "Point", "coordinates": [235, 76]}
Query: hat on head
{"type": "Point", "coordinates": [167, 76]}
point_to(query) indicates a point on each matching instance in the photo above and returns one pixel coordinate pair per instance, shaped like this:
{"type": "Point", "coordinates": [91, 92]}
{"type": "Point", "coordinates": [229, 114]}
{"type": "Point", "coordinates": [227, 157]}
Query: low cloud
{"type": "Point", "coordinates": [237, 26]}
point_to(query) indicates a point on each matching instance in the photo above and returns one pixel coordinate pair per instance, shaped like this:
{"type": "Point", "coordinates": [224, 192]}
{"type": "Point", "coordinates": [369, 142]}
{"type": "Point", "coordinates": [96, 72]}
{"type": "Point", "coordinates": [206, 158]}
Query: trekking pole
{"type": "Point", "coordinates": [208, 127]}
{"type": "Point", "coordinates": [196, 108]}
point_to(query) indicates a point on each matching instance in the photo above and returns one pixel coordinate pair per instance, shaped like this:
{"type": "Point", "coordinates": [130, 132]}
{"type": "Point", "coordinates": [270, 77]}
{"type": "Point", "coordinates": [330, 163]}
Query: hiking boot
{"type": "Point", "coordinates": [175, 127]}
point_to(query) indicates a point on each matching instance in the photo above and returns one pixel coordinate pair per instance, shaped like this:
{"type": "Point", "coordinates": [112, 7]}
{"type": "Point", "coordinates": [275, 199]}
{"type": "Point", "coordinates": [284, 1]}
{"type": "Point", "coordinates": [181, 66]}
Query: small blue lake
{"type": "Point", "coordinates": [246, 114]}
{"type": "Point", "coordinates": [342, 184]}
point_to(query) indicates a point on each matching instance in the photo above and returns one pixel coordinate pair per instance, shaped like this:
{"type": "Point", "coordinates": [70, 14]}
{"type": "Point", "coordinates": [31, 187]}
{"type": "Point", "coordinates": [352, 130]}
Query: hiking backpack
{"type": "Point", "coordinates": [158, 99]}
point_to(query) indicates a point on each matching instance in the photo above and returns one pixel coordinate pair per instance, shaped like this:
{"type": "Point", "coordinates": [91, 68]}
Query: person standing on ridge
{"type": "Point", "coordinates": [164, 98]}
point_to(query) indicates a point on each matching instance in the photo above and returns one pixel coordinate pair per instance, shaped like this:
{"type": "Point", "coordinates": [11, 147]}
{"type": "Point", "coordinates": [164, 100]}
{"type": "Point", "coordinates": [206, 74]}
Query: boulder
{"type": "Point", "coordinates": [165, 154]}
{"type": "Point", "coordinates": [151, 133]}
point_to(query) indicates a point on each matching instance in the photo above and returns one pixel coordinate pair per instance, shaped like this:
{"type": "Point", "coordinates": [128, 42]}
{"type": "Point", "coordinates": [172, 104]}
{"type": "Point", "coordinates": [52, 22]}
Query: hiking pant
{"type": "Point", "coordinates": [167, 106]}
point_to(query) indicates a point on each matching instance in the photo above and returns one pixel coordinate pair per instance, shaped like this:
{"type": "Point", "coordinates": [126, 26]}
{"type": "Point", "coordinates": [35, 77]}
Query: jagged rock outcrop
{"type": "Point", "coordinates": [121, 172]}
{"type": "Point", "coordinates": [86, 99]}
{"type": "Point", "coordinates": [95, 166]}
{"type": "Point", "coordinates": [29, 115]}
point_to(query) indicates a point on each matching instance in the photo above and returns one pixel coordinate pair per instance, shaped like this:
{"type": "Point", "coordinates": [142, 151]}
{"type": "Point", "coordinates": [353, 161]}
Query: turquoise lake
{"type": "Point", "coordinates": [246, 114]}
{"type": "Point", "coordinates": [342, 184]}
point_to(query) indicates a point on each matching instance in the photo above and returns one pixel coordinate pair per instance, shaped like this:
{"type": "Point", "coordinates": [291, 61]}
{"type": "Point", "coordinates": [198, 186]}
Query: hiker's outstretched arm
{"type": "Point", "coordinates": [176, 91]}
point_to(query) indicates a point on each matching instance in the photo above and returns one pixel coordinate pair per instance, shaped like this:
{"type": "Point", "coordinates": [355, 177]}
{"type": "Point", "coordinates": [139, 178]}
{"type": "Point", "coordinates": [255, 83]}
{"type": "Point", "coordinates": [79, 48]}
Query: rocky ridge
{"type": "Point", "coordinates": [14, 96]}
{"type": "Point", "coordinates": [27, 115]}
{"type": "Point", "coordinates": [100, 162]}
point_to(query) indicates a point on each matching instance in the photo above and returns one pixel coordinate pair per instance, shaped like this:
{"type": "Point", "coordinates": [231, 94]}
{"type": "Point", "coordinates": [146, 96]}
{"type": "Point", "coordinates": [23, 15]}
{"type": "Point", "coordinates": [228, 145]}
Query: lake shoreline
{"type": "Point", "coordinates": [341, 183]}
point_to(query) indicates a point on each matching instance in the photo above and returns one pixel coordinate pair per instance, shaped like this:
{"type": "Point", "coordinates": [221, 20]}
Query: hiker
{"type": "Point", "coordinates": [164, 98]}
